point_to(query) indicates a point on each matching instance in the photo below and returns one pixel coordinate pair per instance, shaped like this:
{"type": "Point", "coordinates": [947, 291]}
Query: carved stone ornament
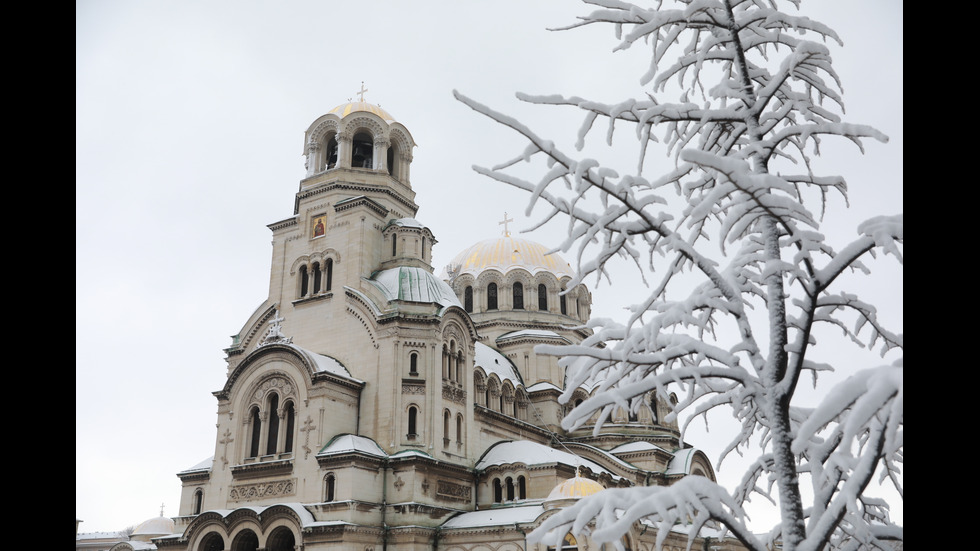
{"type": "Point", "coordinates": [274, 334]}
{"type": "Point", "coordinates": [247, 492]}
{"type": "Point", "coordinates": [284, 386]}
{"type": "Point", "coordinates": [453, 394]}
{"type": "Point", "coordinates": [413, 388]}
{"type": "Point", "coordinates": [455, 492]}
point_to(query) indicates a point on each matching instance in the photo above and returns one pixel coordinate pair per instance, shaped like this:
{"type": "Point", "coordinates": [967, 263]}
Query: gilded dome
{"type": "Point", "coordinates": [345, 109]}
{"type": "Point", "coordinates": [509, 253]}
{"type": "Point", "coordinates": [574, 488]}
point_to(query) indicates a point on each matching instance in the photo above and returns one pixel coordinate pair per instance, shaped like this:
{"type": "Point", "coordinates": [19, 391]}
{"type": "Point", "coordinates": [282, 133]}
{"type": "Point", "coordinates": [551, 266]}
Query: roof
{"type": "Point", "coordinates": [346, 443]}
{"type": "Point", "coordinates": [414, 284]}
{"type": "Point", "coordinates": [574, 488]}
{"type": "Point", "coordinates": [493, 361]}
{"type": "Point", "coordinates": [502, 516]}
{"type": "Point", "coordinates": [532, 453]}
{"type": "Point", "coordinates": [345, 109]}
{"type": "Point", "coordinates": [156, 526]}
{"type": "Point", "coordinates": [509, 253]}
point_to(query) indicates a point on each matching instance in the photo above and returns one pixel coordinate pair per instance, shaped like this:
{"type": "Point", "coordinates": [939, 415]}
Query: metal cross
{"type": "Point", "coordinates": [506, 220]}
{"type": "Point", "coordinates": [363, 89]}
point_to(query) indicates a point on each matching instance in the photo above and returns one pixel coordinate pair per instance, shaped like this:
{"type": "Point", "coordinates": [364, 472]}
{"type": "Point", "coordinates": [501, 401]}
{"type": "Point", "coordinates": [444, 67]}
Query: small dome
{"type": "Point", "coordinates": [345, 109]}
{"type": "Point", "coordinates": [156, 526]}
{"type": "Point", "coordinates": [506, 254]}
{"type": "Point", "coordinates": [574, 488]}
{"type": "Point", "coordinates": [412, 284]}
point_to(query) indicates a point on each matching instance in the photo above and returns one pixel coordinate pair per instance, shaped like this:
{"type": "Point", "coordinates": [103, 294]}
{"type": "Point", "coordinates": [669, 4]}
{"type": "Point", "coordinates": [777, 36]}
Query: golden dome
{"type": "Point", "coordinates": [574, 488]}
{"type": "Point", "coordinates": [345, 109]}
{"type": "Point", "coordinates": [509, 253]}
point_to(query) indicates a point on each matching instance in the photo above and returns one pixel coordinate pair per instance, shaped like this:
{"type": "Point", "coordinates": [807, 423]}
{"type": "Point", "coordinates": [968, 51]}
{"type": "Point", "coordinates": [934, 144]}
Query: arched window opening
{"type": "Point", "coordinates": [510, 489]}
{"type": "Point", "coordinates": [452, 360]}
{"type": "Point", "coordinates": [413, 364]}
{"type": "Point", "coordinates": [562, 304]}
{"type": "Point", "coordinates": [270, 444]}
{"type": "Point", "coordinates": [413, 414]}
{"type": "Point", "coordinates": [332, 153]}
{"type": "Point", "coordinates": [211, 542]}
{"type": "Point", "coordinates": [653, 408]}
{"type": "Point", "coordinates": [459, 428]}
{"type": "Point", "coordinates": [391, 161]}
{"type": "Point", "coordinates": [514, 406]}
{"type": "Point", "coordinates": [492, 296]}
{"type": "Point", "coordinates": [445, 362]}
{"type": "Point", "coordinates": [198, 501]}
{"type": "Point", "coordinates": [486, 399]}
{"type": "Point", "coordinates": [330, 488]}
{"type": "Point", "coordinates": [304, 281]}
{"type": "Point", "coordinates": [500, 406]}
{"type": "Point", "coordinates": [498, 493]}
{"type": "Point", "coordinates": [459, 365]}
{"type": "Point", "coordinates": [363, 151]}
{"type": "Point", "coordinates": [281, 539]}
{"type": "Point", "coordinates": [468, 299]}
{"type": "Point", "coordinates": [253, 450]}
{"type": "Point", "coordinates": [290, 425]}
{"type": "Point", "coordinates": [521, 487]}
{"type": "Point", "coordinates": [329, 270]}
{"type": "Point", "coordinates": [245, 541]}
{"type": "Point", "coordinates": [518, 296]}
{"type": "Point", "coordinates": [542, 298]}
{"type": "Point", "coordinates": [394, 245]}
{"type": "Point", "coordinates": [446, 416]}
{"type": "Point", "coordinates": [422, 252]}
{"type": "Point", "coordinates": [316, 277]}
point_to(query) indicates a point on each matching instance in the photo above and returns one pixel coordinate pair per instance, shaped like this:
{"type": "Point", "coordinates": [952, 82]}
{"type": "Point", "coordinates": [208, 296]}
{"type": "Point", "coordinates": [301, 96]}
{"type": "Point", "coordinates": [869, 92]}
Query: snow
{"type": "Point", "coordinates": [413, 284]}
{"type": "Point", "coordinates": [532, 453]}
{"type": "Point", "coordinates": [502, 516]}
{"type": "Point", "coordinates": [346, 443]}
{"type": "Point", "coordinates": [494, 362]}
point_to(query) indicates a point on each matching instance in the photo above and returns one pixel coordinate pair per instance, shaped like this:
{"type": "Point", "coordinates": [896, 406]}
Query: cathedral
{"type": "Point", "coordinates": [372, 404]}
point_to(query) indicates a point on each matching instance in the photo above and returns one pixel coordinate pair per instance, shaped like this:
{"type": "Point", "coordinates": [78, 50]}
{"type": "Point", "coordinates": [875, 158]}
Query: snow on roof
{"type": "Point", "coordinates": [202, 466]}
{"type": "Point", "coordinates": [636, 447]}
{"type": "Point", "coordinates": [405, 222]}
{"type": "Point", "coordinates": [530, 333]}
{"type": "Point", "coordinates": [326, 364]}
{"type": "Point", "coordinates": [495, 517]}
{"type": "Point", "coordinates": [494, 362]}
{"type": "Point", "coordinates": [543, 385]}
{"type": "Point", "coordinates": [346, 443]}
{"type": "Point", "coordinates": [411, 453]}
{"type": "Point", "coordinates": [681, 462]}
{"type": "Point", "coordinates": [414, 284]}
{"type": "Point", "coordinates": [532, 453]}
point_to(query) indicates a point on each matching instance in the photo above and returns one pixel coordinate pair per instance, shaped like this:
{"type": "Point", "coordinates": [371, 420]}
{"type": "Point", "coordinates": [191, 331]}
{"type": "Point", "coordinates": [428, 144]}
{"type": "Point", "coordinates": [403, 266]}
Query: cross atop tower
{"type": "Point", "coordinates": [505, 221]}
{"type": "Point", "coordinates": [362, 90]}
{"type": "Point", "coordinates": [161, 509]}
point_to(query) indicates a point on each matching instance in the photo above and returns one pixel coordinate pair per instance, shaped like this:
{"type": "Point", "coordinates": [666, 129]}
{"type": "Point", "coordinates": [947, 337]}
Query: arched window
{"type": "Point", "coordinates": [510, 489]}
{"type": "Point", "coordinates": [542, 298]}
{"type": "Point", "coordinates": [198, 501]}
{"type": "Point", "coordinates": [445, 362]}
{"type": "Point", "coordinates": [362, 154]}
{"type": "Point", "coordinates": [518, 296]}
{"type": "Point", "coordinates": [330, 488]}
{"type": "Point", "coordinates": [468, 298]}
{"type": "Point", "coordinates": [391, 161]}
{"type": "Point", "coordinates": [253, 450]}
{"type": "Point", "coordinates": [446, 417]}
{"type": "Point", "coordinates": [211, 542]}
{"type": "Point", "coordinates": [492, 296]}
{"type": "Point", "coordinates": [270, 444]}
{"type": "Point", "coordinates": [521, 487]}
{"type": "Point", "coordinates": [332, 153]}
{"type": "Point", "coordinates": [329, 264]}
{"type": "Point", "coordinates": [498, 494]}
{"type": "Point", "coordinates": [413, 364]}
{"type": "Point", "coordinates": [413, 414]}
{"type": "Point", "coordinates": [564, 307]}
{"type": "Point", "coordinates": [304, 281]}
{"type": "Point", "coordinates": [290, 425]}
{"type": "Point", "coordinates": [246, 540]}
{"type": "Point", "coordinates": [316, 277]}
{"type": "Point", "coordinates": [394, 245]}
{"type": "Point", "coordinates": [459, 365]}
{"type": "Point", "coordinates": [653, 408]}
{"type": "Point", "coordinates": [459, 428]}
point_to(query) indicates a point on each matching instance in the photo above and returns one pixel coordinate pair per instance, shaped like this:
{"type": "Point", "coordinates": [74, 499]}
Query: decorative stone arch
{"type": "Point", "coordinates": [493, 392]}
{"type": "Point", "coordinates": [507, 403]}
{"type": "Point", "coordinates": [483, 283]}
{"type": "Point", "coordinates": [280, 525]}
{"type": "Point", "coordinates": [245, 538]}
{"type": "Point", "coordinates": [551, 288]}
{"type": "Point", "coordinates": [399, 154]}
{"type": "Point", "coordinates": [521, 402]}
{"type": "Point", "coordinates": [366, 127]}
{"type": "Point", "coordinates": [480, 387]}
{"type": "Point", "coordinates": [322, 146]}
{"type": "Point", "coordinates": [415, 422]}
{"type": "Point", "coordinates": [522, 277]}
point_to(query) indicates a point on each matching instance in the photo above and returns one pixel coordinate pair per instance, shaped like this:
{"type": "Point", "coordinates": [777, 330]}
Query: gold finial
{"type": "Point", "coordinates": [505, 221]}
{"type": "Point", "coordinates": [362, 90]}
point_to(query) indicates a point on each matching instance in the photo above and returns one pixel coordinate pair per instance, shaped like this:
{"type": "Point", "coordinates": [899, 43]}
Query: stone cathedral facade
{"type": "Point", "coordinates": [372, 405]}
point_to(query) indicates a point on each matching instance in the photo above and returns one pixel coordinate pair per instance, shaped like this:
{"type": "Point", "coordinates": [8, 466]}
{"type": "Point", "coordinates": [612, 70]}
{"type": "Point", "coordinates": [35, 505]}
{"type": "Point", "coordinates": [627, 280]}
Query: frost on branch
{"type": "Point", "coordinates": [727, 237]}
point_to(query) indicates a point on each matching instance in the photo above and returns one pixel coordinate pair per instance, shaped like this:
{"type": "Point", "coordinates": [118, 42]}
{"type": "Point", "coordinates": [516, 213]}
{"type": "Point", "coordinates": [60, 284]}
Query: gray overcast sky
{"type": "Point", "coordinates": [189, 126]}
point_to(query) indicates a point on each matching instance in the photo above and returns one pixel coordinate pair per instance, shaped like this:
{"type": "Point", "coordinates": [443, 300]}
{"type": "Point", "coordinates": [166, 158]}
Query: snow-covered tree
{"type": "Point", "coordinates": [740, 95]}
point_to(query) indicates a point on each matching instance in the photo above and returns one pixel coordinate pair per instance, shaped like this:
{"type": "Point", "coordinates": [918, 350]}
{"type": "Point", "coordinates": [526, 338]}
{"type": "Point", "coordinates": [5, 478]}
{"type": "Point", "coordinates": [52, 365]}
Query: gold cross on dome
{"type": "Point", "coordinates": [362, 90]}
{"type": "Point", "coordinates": [505, 221]}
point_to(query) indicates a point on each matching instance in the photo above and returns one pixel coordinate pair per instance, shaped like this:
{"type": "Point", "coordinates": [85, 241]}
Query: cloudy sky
{"type": "Point", "coordinates": [189, 127]}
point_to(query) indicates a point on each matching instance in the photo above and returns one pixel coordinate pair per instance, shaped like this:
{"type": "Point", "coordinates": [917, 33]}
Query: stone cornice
{"type": "Point", "coordinates": [359, 201]}
{"type": "Point", "coordinates": [497, 418]}
{"type": "Point", "coordinates": [263, 468]}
